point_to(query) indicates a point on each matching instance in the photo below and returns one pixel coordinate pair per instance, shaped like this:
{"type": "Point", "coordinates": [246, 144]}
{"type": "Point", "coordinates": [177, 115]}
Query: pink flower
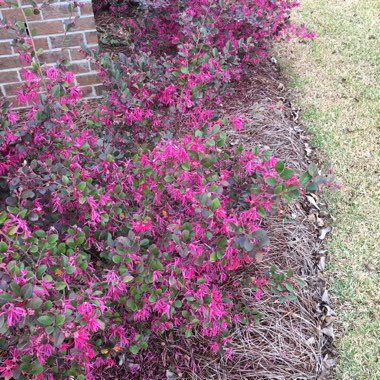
{"type": "Point", "coordinates": [7, 367]}
{"type": "Point", "coordinates": [258, 294]}
{"type": "Point", "coordinates": [52, 73]}
{"type": "Point", "coordinates": [12, 117]}
{"type": "Point", "coordinates": [81, 338]}
{"type": "Point", "coordinates": [141, 225]}
{"type": "Point", "coordinates": [14, 314]}
{"type": "Point", "coordinates": [68, 77]}
{"type": "Point", "coordinates": [237, 122]}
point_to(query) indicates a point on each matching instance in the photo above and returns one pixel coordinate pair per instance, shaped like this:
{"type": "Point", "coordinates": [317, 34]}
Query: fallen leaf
{"type": "Point", "coordinates": [312, 201]}
{"type": "Point", "coordinates": [324, 232]}
{"type": "Point", "coordinates": [322, 263]}
{"type": "Point", "coordinates": [328, 331]}
{"type": "Point", "coordinates": [325, 297]}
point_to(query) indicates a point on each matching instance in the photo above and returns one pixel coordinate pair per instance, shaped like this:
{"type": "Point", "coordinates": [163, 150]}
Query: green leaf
{"type": "Point", "coordinates": [278, 189]}
{"type": "Point", "coordinates": [61, 248]}
{"type": "Point", "coordinates": [55, 90]}
{"type": "Point", "coordinates": [35, 303]}
{"type": "Point", "coordinates": [46, 320]}
{"type": "Point", "coordinates": [51, 239]}
{"type": "Point", "coordinates": [70, 269]}
{"type": "Point", "coordinates": [144, 242]}
{"type": "Point", "coordinates": [16, 288]}
{"type": "Point", "coordinates": [134, 349]}
{"type": "Point", "coordinates": [60, 285]}
{"type": "Point", "coordinates": [3, 217]}
{"type": "Point", "coordinates": [279, 167]}
{"type": "Point", "coordinates": [184, 70]}
{"type": "Point", "coordinates": [215, 203]}
{"type": "Point", "coordinates": [27, 290]}
{"type": "Point", "coordinates": [3, 246]}
{"type": "Point", "coordinates": [305, 177]}
{"type": "Point", "coordinates": [311, 187]}
{"type": "Point", "coordinates": [216, 128]}
{"type": "Point", "coordinates": [213, 257]}
{"type": "Point", "coordinates": [39, 233]}
{"type": "Point", "coordinates": [131, 304]}
{"type": "Point", "coordinates": [186, 235]}
{"type": "Point", "coordinates": [36, 368]}
{"type": "Point", "coordinates": [185, 166]}
{"type": "Point", "coordinates": [58, 339]}
{"type": "Point", "coordinates": [294, 194]}
{"type": "Point", "coordinates": [116, 259]}
{"type": "Point", "coordinates": [59, 320]}
{"type": "Point", "coordinates": [261, 211]}
{"type": "Point", "coordinates": [291, 297]}
{"type": "Point", "coordinates": [312, 169]}
{"type": "Point", "coordinates": [81, 186]}
{"type": "Point", "coordinates": [289, 287]}
{"type": "Point", "coordinates": [287, 173]}
{"type": "Point", "coordinates": [156, 264]}
{"type": "Point", "coordinates": [270, 181]}
{"type": "Point", "coordinates": [28, 11]}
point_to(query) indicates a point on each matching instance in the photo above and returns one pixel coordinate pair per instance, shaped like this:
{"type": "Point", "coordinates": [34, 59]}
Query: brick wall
{"type": "Point", "coordinates": [49, 25]}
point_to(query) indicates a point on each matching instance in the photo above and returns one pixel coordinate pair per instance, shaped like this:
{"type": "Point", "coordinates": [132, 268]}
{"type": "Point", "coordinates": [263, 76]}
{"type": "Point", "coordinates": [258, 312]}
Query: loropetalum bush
{"type": "Point", "coordinates": [107, 243]}
{"type": "Point", "coordinates": [181, 56]}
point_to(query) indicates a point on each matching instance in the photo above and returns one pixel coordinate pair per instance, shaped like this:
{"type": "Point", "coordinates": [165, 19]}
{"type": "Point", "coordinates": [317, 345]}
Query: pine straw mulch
{"type": "Point", "coordinates": [293, 340]}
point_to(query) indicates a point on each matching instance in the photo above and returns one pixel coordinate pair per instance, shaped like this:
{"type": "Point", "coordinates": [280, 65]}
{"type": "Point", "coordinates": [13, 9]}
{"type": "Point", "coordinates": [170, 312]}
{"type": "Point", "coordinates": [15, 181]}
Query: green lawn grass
{"type": "Point", "coordinates": [336, 82]}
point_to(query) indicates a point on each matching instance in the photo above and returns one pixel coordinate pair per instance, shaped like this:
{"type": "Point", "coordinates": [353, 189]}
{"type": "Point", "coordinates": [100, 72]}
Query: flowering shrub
{"type": "Point", "coordinates": [106, 243]}
{"type": "Point", "coordinates": [181, 57]}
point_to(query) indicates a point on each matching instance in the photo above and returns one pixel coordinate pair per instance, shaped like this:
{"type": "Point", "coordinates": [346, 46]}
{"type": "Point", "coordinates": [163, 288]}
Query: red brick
{"type": "Point", "coordinates": [99, 90]}
{"type": "Point", "coordinates": [79, 68]}
{"type": "Point", "coordinates": [53, 56]}
{"type": "Point", "coordinates": [10, 62]}
{"type": "Point", "coordinates": [86, 9]}
{"type": "Point", "coordinates": [90, 79]}
{"type": "Point", "coordinates": [13, 101]}
{"type": "Point", "coordinates": [47, 27]}
{"type": "Point", "coordinates": [8, 77]}
{"type": "Point", "coordinates": [10, 99]}
{"type": "Point", "coordinates": [6, 34]}
{"type": "Point", "coordinates": [5, 48]}
{"type": "Point", "coordinates": [68, 41]}
{"type": "Point", "coordinates": [92, 37]}
{"type": "Point", "coordinates": [12, 89]}
{"type": "Point", "coordinates": [53, 11]}
{"type": "Point", "coordinates": [16, 14]}
{"type": "Point", "coordinates": [41, 43]}
{"type": "Point", "coordinates": [77, 54]}
{"type": "Point", "coordinates": [84, 23]}
{"type": "Point", "coordinates": [87, 90]}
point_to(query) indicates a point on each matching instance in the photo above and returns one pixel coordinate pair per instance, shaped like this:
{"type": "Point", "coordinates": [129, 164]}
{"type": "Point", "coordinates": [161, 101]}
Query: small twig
{"type": "Point", "coordinates": [33, 45]}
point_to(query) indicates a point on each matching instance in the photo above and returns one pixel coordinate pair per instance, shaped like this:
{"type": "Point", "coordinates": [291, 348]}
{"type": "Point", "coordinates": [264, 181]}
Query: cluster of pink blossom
{"type": "Point", "coordinates": [106, 243]}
